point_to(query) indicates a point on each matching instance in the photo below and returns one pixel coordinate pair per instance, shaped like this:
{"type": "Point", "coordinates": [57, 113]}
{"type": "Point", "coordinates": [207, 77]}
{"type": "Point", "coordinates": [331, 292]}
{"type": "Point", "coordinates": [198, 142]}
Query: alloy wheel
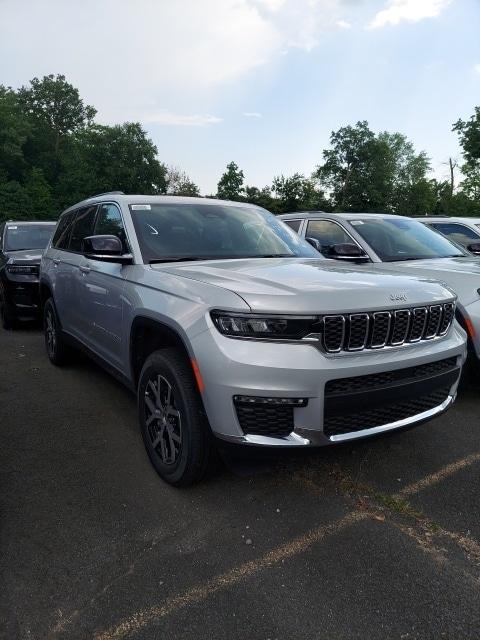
{"type": "Point", "coordinates": [50, 332]}
{"type": "Point", "coordinates": [163, 419]}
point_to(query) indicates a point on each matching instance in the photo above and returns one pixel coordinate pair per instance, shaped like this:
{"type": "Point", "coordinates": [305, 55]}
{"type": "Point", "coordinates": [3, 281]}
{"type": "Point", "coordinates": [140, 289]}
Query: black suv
{"type": "Point", "coordinates": [21, 248]}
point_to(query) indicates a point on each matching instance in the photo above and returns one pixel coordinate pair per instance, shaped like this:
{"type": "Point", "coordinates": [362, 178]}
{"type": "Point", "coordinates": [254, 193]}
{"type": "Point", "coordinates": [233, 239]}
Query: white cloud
{"type": "Point", "coordinates": [301, 23]}
{"type": "Point", "coordinates": [166, 117]}
{"type": "Point", "coordinates": [476, 68]}
{"type": "Point", "coordinates": [408, 10]}
{"type": "Point", "coordinates": [161, 57]}
{"type": "Point", "coordinates": [252, 114]}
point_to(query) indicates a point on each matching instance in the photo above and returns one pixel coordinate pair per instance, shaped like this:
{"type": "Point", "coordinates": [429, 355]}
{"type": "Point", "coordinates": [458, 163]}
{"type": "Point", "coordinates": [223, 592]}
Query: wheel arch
{"type": "Point", "coordinates": [148, 335]}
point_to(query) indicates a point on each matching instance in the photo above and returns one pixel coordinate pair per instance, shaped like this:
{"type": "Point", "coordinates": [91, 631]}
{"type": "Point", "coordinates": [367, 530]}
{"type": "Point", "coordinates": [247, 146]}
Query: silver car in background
{"type": "Point", "coordinates": [464, 231]}
{"type": "Point", "coordinates": [227, 325]}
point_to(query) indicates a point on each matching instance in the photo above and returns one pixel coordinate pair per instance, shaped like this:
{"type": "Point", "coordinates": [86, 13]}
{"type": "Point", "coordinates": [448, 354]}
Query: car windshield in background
{"type": "Point", "coordinates": [195, 232]}
{"type": "Point", "coordinates": [31, 236]}
{"type": "Point", "coordinates": [395, 239]}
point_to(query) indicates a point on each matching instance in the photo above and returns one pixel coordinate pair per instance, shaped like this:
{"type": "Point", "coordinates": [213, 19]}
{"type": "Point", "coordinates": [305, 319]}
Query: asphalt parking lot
{"type": "Point", "coordinates": [380, 539]}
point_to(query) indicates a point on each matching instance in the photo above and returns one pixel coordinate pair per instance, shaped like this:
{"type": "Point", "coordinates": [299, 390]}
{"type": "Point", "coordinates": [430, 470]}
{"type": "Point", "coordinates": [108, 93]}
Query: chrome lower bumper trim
{"type": "Point", "coordinates": [419, 417]}
{"type": "Point", "coordinates": [318, 438]}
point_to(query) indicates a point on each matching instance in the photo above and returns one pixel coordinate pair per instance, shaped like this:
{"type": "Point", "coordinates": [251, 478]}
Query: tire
{"type": "Point", "coordinates": [173, 423]}
{"type": "Point", "coordinates": [57, 350]}
{"type": "Point", "coordinates": [6, 314]}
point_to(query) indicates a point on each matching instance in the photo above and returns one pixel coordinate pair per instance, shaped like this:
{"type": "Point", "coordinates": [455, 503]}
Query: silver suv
{"type": "Point", "coordinates": [228, 325]}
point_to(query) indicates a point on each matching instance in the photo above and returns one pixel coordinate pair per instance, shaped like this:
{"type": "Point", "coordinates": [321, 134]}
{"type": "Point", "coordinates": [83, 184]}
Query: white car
{"type": "Point", "coordinates": [465, 231]}
{"type": "Point", "coordinates": [398, 244]}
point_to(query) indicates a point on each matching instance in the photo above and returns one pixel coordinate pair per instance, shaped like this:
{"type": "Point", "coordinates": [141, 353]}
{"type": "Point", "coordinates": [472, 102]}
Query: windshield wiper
{"type": "Point", "coordinates": [194, 258]}
{"type": "Point", "coordinates": [275, 255]}
{"type": "Point", "coordinates": [183, 259]}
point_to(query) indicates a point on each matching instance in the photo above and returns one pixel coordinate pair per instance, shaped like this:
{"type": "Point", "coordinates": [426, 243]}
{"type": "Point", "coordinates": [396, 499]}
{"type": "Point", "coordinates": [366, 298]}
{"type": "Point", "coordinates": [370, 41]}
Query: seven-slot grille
{"type": "Point", "coordinates": [358, 331]}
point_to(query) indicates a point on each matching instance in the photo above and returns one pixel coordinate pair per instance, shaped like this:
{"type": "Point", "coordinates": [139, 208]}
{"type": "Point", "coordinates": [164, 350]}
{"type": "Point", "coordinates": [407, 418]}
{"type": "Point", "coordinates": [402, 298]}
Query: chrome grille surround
{"type": "Point", "coordinates": [355, 332]}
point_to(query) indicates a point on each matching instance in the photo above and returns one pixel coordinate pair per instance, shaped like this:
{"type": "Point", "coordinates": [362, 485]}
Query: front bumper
{"type": "Point", "coordinates": [231, 368]}
{"type": "Point", "coordinates": [23, 295]}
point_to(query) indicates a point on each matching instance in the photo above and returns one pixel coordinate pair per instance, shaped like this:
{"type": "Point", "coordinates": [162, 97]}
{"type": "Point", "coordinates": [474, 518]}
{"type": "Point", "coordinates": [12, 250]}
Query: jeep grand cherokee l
{"type": "Point", "coordinates": [227, 324]}
{"type": "Point", "coordinates": [21, 246]}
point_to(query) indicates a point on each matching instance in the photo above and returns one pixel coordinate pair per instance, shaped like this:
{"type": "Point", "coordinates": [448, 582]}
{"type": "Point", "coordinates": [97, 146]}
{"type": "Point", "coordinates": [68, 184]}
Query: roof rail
{"type": "Point", "coordinates": [108, 193]}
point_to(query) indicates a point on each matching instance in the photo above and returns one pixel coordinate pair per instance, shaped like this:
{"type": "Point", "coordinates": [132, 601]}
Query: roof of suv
{"type": "Point", "coordinates": [463, 219]}
{"type": "Point", "coordinates": [144, 199]}
{"type": "Point", "coordinates": [321, 214]}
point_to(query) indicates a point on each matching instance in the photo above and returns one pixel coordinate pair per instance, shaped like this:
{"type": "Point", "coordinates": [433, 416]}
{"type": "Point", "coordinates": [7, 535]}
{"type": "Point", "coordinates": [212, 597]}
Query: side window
{"type": "Point", "coordinates": [327, 233]}
{"type": "Point", "coordinates": [82, 227]}
{"type": "Point", "coordinates": [62, 233]}
{"type": "Point", "coordinates": [293, 224]}
{"type": "Point", "coordinates": [458, 232]}
{"type": "Point", "coordinates": [109, 222]}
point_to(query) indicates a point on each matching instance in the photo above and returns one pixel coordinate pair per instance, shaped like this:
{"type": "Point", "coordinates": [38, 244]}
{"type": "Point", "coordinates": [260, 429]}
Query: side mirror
{"type": "Point", "coordinates": [474, 248]}
{"type": "Point", "coordinates": [106, 249]}
{"type": "Point", "coordinates": [315, 243]}
{"type": "Point", "coordinates": [348, 251]}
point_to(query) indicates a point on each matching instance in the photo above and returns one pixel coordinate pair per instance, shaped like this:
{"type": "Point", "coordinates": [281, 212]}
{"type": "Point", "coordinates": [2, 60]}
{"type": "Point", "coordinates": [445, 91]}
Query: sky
{"type": "Point", "coordinates": [259, 82]}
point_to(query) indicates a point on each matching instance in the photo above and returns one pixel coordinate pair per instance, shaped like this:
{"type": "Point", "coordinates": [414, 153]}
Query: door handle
{"type": "Point", "coordinates": [85, 270]}
{"type": "Point", "coordinates": [56, 261]}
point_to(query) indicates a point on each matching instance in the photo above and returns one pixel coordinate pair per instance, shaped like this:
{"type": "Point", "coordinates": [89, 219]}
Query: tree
{"type": "Point", "coordinates": [261, 197]}
{"type": "Point", "coordinates": [346, 170]}
{"type": "Point", "coordinates": [230, 185]}
{"type": "Point", "coordinates": [179, 184]}
{"type": "Point", "coordinates": [368, 172]}
{"type": "Point", "coordinates": [296, 193]}
{"type": "Point", "coordinates": [14, 200]}
{"type": "Point", "coordinates": [469, 135]}
{"type": "Point", "coordinates": [14, 132]}
{"type": "Point", "coordinates": [105, 158]}
{"type": "Point", "coordinates": [56, 105]}
{"type": "Point", "coordinates": [39, 192]}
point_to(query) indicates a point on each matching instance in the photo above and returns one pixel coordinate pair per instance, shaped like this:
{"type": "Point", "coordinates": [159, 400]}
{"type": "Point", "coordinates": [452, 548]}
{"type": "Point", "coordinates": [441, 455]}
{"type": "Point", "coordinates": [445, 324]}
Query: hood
{"type": "Point", "coordinates": [460, 274]}
{"type": "Point", "coordinates": [25, 256]}
{"type": "Point", "coordinates": [296, 285]}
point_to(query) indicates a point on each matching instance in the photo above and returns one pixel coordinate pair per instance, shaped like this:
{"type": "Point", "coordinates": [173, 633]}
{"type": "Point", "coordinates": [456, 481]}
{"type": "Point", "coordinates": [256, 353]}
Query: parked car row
{"type": "Point", "coordinates": [230, 326]}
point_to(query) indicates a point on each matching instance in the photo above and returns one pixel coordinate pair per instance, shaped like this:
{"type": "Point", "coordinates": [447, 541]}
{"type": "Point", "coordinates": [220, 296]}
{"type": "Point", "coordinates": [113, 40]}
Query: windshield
{"type": "Point", "coordinates": [31, 236]}
{"type": "Point", "coordinates": [205, 231]}
{"type": "Point", "coordinates": [395, 239]}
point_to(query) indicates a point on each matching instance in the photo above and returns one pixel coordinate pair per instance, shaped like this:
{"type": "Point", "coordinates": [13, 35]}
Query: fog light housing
{"type": "Point", "coordinates": [290, 402]}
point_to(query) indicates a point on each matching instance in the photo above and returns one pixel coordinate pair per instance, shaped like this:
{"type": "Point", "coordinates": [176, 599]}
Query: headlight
{"type": "Point", "coordinates": [249, 325]}
{"type": "Point", "coordinates": [23, 270]}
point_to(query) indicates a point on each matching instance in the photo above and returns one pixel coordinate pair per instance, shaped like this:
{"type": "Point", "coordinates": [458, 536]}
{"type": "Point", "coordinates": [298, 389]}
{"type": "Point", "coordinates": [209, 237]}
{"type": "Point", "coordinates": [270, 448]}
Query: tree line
{"type": "Point", "coordinates": [53, 153]}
